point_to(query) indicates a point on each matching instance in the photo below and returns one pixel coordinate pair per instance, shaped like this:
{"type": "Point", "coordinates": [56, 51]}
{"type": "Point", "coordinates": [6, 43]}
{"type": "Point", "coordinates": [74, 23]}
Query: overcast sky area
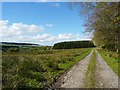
{"type": "Point", "coordinates": [44, 23]}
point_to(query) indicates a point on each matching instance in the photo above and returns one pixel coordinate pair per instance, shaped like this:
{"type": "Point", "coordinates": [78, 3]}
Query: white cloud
{"type": "Point", "coordinates": [19, 32]}
{"type": "Point", "coordinates": [52, 39]}
{"type": "Point", "coordinates": [18, 28]}
{"type": "Point", "coordinates": [41, 37]}
{"type": "Point", "coordinates": [67, 36]}
{"type": "Point", "coordinates": [49, 25]}
{"type": "Point", "coordinates": [26, 28]}
{"type": "Point", "coordinates": [3, 22]}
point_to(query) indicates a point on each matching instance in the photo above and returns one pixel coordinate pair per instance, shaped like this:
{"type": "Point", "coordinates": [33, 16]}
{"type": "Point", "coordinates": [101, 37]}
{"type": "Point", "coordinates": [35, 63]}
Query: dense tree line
{"type": "Point", "coordinates": [73, 44]}
{"type": "Point", "coordinates": [103, 19]}
{"type": "Point", "coordinates": [18, 44]}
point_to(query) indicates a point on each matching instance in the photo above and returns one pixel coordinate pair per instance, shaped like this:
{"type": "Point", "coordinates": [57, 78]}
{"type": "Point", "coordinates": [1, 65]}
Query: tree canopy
{"type": "Point", "coordinates": [103, 19]}
{"type": "Point", "coordinates": [73, 44]}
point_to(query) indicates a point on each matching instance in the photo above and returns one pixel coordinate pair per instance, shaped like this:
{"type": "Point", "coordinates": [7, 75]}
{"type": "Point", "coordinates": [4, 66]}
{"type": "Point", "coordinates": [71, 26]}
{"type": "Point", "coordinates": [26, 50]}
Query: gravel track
{"type": "Point", "coordinates": [105, 77]}
{"type": "Point", "coordinates": [75, 76]}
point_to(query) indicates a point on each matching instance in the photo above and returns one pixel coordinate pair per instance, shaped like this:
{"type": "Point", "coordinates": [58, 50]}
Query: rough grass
{"type": "Point", "coordinates": [34, 68]}
{"type": "Point", "coordinates": [112, 60]}
{"type": "Point", "coordinates": [89, 81]}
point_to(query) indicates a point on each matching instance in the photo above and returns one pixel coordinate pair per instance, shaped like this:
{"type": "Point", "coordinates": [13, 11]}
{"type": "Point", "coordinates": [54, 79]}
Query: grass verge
{"type": "Point", "coordinates": [89, 81]}
{"type": "Point", "coordinates": [112, 60]}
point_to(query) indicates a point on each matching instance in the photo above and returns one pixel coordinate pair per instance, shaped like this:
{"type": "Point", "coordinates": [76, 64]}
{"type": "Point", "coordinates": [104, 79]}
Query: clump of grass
{"type": "Point", "coordinates": [90, 74]}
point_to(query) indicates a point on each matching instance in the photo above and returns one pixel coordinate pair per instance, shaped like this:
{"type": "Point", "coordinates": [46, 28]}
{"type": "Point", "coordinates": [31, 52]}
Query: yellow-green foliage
{"type": "Point", "coordinates": [34, 68]}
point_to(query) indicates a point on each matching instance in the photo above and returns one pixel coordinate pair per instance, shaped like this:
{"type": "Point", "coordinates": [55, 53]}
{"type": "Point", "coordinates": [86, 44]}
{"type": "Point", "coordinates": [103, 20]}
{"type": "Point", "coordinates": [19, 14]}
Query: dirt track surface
{"type": "Point", "coordinates": [105, 77]}
{"type": "Point", "coordinates": [74, 78]}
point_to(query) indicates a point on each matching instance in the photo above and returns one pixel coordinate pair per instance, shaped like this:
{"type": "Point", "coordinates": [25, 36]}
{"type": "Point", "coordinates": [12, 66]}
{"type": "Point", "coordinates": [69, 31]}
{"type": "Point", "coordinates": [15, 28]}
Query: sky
{"type": "Point", "coordinates": [44, 23]}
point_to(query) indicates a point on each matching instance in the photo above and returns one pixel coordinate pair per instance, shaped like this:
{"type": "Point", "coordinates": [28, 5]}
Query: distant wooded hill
{"type": "Point", "coordinates": [5, 46]}
{"type": "Point", "coordinates": [17, 44]}
{"type": "Point", "coordinates": [73, 44]}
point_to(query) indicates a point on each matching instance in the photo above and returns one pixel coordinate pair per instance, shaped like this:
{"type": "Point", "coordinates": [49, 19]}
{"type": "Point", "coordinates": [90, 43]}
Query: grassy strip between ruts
{"type": "Point", "coordinates": [112, 60]}
{"type": "Point", "coordinates": [89, 81]}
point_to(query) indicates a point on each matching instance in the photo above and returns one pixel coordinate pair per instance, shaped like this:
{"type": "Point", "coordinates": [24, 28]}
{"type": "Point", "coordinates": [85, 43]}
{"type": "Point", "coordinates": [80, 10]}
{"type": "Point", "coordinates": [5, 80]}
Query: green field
{"type": "Point", "coordinates": [37, 68]}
